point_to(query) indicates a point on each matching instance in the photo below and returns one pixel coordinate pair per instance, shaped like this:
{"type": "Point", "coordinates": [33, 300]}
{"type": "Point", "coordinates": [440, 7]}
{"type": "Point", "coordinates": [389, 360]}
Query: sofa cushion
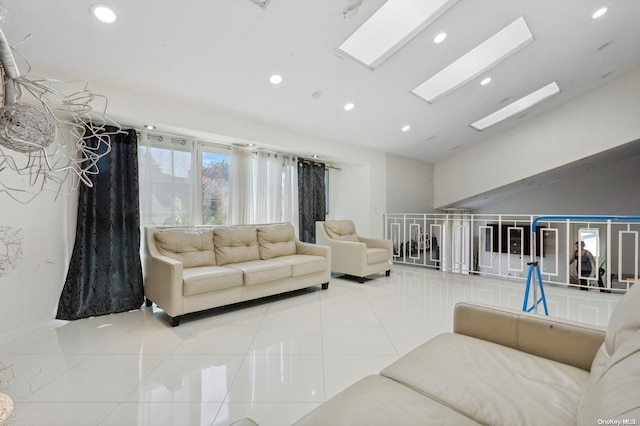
{"type": "Point", "coordinates": [191, 246]}
{"type": "Point", "coordinates": [343, 230]}
{"type": "Point", "coordinates": [234, 244]}
{"type": "Point", "coordinates": [276, 240]}
{"type": "Point", "coordinates": [612, 389]}
{"type": "Point", "coordinates": [203, 279]}
{"type": "Point", "coordinates": [376, 400]}
{"type": "Point", "coordinates": [611, 392]}
{"type": "Point", "coordinates": [303, 264]}
{"type": "Point", "coordinates": [624, 321]}
{"type": "Point", "coordinates": [492, 384]}
{"type": "Point", "coordinates": [262, 271]}
{"type": "Point", "coordinates": [375, 255]}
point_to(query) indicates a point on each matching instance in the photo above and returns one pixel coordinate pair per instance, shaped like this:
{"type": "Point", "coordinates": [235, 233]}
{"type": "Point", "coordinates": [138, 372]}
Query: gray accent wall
{"type": "Point", "coordinates": [610, 190]}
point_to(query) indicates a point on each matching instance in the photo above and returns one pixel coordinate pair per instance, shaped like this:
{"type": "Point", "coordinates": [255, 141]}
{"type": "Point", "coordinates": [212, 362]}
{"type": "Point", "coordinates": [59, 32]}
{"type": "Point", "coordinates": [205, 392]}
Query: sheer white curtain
{"type": "Point", "coordinates": [165, 173]}
{"type": "Point", "coordinates": [263, 188]}
{"type": "Point", "coordinates": [267, 194]}
{"type": "Point", "coordinates": [240, 186]}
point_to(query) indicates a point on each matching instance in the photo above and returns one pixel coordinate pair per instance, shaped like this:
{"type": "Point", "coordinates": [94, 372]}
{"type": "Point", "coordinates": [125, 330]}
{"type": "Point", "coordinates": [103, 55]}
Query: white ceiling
{"type": "Point", "coordinates": [222, 52]}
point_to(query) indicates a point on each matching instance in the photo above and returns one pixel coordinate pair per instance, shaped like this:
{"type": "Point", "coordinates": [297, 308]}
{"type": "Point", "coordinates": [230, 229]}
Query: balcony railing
{"type": "Point", "coordinates": [502, 245]}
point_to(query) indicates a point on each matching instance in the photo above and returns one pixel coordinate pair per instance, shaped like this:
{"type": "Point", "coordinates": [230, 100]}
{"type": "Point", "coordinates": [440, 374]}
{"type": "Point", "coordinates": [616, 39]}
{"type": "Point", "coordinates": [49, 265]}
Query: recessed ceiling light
{"type": "Point", "coordinates": [517, 106]}
{"type": "Point", "coordinates": [103, 13]}
{"type": "Point", "coordinates": [406, 128]}
{"type": "Point", "coordinates": [390, 28]}
{"type": "Point", "coordinates": [349, 106]}
{"type": "Point", "coordinates": [598, 13]}
{"type": "Point", "coordinates": [485, 81]}
{"type": "Point", "coordinates": [275, 79]}
{"type": "Point", "coordinates": [504, 43]}
{"type": "Point", "coordinates": [440, 38]}
{"type": "Point", "coordinates": [149, 127]}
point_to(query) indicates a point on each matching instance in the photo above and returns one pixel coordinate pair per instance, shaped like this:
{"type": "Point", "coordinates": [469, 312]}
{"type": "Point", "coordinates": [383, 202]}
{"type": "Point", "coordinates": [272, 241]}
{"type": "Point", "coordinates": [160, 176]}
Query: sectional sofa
{"type": "Point", "coordinates": [505, 367]}
{"type": "Point", "coordinates": [190, 269]}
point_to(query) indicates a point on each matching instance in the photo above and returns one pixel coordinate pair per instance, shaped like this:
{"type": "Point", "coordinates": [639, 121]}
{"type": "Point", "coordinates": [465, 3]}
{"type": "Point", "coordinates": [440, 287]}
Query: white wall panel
{"type": "Point", "coordinates": [30, 289]}
{"type": "Point", "coordinates": [602, 119]}
{"type": "Point", "coordinates": [409, 185]}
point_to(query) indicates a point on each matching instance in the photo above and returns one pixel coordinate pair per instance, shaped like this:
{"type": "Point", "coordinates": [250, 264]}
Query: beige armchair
{"type": "Point", "coordinates": [351, 254]}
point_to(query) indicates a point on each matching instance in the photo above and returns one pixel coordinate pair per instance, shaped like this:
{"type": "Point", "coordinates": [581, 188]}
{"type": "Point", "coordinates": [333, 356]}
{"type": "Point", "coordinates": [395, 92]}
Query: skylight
{"type": "Point", "coordinates": [518, 106]}
{"type": "Point", "coordinates": [390, 28]}
{"type": "Point", "coordinates": [504, 43]}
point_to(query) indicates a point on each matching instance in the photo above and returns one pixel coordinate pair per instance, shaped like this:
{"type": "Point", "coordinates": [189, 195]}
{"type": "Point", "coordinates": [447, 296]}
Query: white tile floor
{"type": "Point", "coordinates": [272, 360]}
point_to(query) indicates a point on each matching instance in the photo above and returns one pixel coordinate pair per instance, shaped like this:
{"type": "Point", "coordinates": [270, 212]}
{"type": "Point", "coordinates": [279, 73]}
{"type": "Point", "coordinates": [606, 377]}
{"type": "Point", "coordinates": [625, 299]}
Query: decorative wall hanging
{"type": "Point", "coordinates": [10, 249]}
{"type": "Point", "coordinates": [6, 403]}
{"type": "Point", "coordinates": [44, 125]}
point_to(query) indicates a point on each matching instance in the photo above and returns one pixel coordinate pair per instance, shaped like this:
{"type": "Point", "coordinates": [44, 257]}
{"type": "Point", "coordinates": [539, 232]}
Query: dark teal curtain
{"type": "Point", "coordinates": [105, 272]}
{"type": "Point", "coordinates": [311, 198]}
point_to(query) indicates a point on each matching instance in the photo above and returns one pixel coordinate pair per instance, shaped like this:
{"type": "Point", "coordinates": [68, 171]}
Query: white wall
{"type": "Point", "coordinates": [409, 185]}
{"type": "Point", "coordinates": [612, 190]}
{"type": "Point", "coordinates": [345, 204]}
{"type": "Point", "coordinates": [29, 292]}
{"type": "Point", "coordinates": [602, 119]}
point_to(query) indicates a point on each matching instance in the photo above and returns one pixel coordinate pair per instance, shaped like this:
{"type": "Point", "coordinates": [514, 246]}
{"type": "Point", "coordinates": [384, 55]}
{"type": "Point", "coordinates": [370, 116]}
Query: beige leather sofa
{"type": "Point", "coordinates": [351, 254]}
{"type": "Point", "coordinates": [503, 367]}
{"type": "Point", "coordinates": [190, 269]}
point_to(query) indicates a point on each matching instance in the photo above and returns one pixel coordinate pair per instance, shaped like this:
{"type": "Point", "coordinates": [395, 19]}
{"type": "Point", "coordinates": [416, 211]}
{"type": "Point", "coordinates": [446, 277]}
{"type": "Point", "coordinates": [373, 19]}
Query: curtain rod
{"type": "Point", "coordinates": [159, 136]}
{"type": "Point", "coordinates": [181, 139]}
{"type": "Point", "coordinates": [326, 165]}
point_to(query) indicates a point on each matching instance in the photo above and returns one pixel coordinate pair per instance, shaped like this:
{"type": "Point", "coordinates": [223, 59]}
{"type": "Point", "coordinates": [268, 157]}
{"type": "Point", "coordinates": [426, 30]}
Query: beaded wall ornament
{"type": "Point", "coordinates": [6, 403]}
{"type": "Point", "coordinates": [44, 128]}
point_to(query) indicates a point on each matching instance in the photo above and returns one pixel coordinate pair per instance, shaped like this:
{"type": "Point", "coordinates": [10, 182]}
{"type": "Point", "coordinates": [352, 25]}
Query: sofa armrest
{"type": "Point", "coordinates": [164, 284]}
{"type": "Point", "coordinates": [348, 254]}
{"type": "Point", "coordinates": [378, 243]}
{"type": "Point", "coordinates": [312, 249]}
{"type": "Point", "coordinates": [566, 341]}
{"type": "Point", "coordinates": [162, 277]}
{"type": "Point", "coordinates": [317, 250]}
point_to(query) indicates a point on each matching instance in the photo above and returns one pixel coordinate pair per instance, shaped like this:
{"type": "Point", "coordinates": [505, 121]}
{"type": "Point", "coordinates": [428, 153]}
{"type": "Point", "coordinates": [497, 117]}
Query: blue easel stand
{"type": "Point", "coordinates": [534, 266]}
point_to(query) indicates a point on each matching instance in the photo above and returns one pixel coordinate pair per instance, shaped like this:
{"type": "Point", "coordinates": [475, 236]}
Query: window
{"type": "Point", "coordinates": [166, 174]}
{"type": "Point", "coordinates": [182, 182]}
{"type": "Point", "coordinates": [186, 182]}
{"type": "Point", "coordinates": [215, 185]}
